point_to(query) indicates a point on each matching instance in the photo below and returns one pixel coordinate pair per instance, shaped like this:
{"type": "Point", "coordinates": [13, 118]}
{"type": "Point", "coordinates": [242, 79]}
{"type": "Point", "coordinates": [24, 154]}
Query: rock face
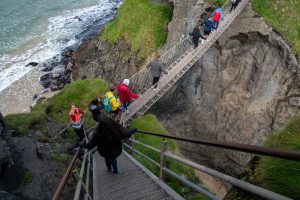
{"type": "Point", "coordinates": [28, 169]}
{"type": "Point", "coordinates": [96, 58]}
{"type": "Point", "coordinates": [244, 87]}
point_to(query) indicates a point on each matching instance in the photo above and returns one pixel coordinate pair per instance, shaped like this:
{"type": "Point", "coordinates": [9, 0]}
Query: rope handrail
{"type": "Point", "coordinates": [267, 151]}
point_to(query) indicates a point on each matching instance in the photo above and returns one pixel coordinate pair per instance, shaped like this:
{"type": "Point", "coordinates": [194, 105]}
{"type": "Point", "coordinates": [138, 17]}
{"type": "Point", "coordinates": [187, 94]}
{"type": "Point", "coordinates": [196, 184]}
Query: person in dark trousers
{"type": "Point", "coordinates": [234, 4]}
{"type": "Point", "coordinates": [156, 68]}
{"type": "Point", "coordinates": [107, 137]}
{"type": "Point", "coordinates": [95, 107]}
{"type": "Point", "coordinates": [76, 122]}
{"type": "Point", "coordinates": [196, 36]}
{"type": "Point", "coordinates": [208, 26]}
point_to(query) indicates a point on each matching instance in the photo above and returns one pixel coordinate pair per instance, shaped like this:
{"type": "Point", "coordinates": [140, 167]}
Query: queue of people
{"type": "Point", "coordinates": [211, 23]}
{"type": "Point", "coordinates": [108, 134]}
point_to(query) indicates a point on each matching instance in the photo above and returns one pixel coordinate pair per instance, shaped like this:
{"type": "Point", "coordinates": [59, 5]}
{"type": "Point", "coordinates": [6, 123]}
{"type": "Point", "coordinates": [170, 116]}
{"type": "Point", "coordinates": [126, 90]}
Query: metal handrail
{"type": "Point", "coordinates": [63, 181]}
{"type": "Point", "coordinates": [224, 177]}
{"type": "Point", "coordinates": [268, 151]}
{"type": "Point", "coordinates": [80, 183]}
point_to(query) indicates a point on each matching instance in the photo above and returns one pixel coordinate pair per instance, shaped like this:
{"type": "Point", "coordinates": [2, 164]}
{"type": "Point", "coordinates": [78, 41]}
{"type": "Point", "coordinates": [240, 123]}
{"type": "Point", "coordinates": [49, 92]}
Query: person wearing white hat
{"type": "Point", "coordinates": [125, 94]}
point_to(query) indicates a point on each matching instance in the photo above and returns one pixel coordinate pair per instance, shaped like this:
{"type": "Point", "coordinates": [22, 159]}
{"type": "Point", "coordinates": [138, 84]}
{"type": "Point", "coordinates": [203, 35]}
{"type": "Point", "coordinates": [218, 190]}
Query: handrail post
{"type": "Point", "coordinates": [132, 146]}
{"type": "Point", "coordinates": [163, 148]}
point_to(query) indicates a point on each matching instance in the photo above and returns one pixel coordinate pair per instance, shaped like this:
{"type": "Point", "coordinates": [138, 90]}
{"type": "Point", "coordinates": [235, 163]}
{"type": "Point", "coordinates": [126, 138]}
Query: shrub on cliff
{"type": "Point", "coordinates": [143, 24]}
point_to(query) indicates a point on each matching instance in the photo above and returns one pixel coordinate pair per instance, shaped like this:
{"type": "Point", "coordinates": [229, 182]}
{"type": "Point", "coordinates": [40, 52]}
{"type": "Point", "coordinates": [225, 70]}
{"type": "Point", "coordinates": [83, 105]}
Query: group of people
{"type": "Point", "coordinates": [108, 132]}
{"type": "Point", "coordinates": [211, 23]}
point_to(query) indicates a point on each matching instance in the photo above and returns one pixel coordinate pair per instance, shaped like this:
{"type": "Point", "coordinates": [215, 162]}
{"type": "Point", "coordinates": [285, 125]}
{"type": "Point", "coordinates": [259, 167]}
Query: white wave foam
{"type": "Point", "coordinates": [60, 34]}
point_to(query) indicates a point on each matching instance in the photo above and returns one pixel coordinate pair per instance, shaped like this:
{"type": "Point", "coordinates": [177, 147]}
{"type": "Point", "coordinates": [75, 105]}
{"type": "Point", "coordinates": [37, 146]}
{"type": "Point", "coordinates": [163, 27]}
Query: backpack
{"type": "Point", "coordinates": [106, 104]}
{"type": "Point", "coordinates": [217, 16]}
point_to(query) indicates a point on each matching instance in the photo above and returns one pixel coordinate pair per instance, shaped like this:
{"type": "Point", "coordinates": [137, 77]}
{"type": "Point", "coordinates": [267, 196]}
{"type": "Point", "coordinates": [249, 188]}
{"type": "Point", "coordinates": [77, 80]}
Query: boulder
{"type": "Point", "coordinates": [33, 64]}
{"type": "Point", "coordinates": [43, 151]}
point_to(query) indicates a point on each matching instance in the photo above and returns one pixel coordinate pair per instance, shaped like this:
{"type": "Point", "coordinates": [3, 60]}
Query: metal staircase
{"type": "Point", "coordinates": [177, 61]}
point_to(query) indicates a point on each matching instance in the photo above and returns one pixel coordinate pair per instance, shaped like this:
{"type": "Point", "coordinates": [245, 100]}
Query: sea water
{"type": "Point", "coordinates": [38, 30]}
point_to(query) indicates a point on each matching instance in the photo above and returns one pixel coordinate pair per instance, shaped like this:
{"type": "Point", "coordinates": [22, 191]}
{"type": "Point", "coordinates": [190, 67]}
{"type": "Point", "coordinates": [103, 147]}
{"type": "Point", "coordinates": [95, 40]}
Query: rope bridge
{"type": "Point", "coordinates": [177, 61]}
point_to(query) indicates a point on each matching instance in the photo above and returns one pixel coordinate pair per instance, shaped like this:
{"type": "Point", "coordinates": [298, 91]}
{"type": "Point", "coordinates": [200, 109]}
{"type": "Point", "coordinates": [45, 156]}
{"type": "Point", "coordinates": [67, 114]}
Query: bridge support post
{"type": "Point", "coordinates": [132, 146]}
{"type": "Point", "coordinates": [163, 149]}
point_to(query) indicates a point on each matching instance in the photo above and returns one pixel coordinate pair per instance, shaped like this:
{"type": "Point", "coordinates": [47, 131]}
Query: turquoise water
{"type": "Point", "coordinates": [37, 30]}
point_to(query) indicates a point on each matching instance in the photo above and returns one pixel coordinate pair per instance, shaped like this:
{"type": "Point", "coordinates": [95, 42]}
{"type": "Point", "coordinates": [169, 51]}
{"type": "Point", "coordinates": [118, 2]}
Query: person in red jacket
{"type": "Point", "coordinates": [125, 94]}
{"type": "Point", "coordinates": [76, 122]}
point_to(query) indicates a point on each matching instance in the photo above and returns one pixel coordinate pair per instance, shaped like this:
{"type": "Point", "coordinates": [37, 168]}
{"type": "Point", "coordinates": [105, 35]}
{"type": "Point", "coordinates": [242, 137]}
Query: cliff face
{"type": "Point", "coordinates": [97, 58]}
{"type": "Point", "coordinates": [245, 86]}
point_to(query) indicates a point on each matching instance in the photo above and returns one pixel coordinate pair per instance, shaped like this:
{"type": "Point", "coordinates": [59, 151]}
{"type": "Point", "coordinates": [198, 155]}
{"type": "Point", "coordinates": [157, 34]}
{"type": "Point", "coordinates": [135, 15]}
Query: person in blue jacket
{"type": "Point", "coordinates": [217, 16]}
{"type": "Point", "coordinates": [208, 26]}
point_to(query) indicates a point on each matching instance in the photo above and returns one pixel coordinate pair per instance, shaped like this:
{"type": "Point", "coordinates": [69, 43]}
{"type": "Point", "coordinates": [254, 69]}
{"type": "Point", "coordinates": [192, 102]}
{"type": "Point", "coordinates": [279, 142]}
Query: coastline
{"type": "Point", "coordinates": [23, 93]}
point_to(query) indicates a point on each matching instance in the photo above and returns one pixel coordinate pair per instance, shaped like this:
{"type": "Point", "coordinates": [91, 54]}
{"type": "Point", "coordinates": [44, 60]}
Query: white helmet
{"type": "Point", "coordinates": [126, 82]}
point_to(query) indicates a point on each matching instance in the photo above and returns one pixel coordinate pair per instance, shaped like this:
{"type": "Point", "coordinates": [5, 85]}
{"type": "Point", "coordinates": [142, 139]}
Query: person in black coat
{"type": "Point", "coordinates": [107, 137]}
{"type": "Point", "coordinates": [95, 107]}
{"type": "Point", "coordinates": [195, 36]}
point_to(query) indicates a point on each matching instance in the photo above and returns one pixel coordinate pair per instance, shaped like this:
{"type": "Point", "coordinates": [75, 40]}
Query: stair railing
{"type": "Point", "coordinates": [164, 154]}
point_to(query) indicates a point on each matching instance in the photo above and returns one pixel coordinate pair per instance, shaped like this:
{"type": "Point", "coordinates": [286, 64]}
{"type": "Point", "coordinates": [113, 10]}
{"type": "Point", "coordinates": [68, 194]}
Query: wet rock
{"type": "Point", "coordinates": [33, 64]}
{"type": "Point", "coordinates": [78, 18]}
{"type": "Point", "coordinates": [5, 157]}
{"type": "Point", "coordinates": [43, 151]}
{"type": "Point", "coordinates": [7, 196]}
{"type": "Point", "coordinates": [45, 77]}
{"type": "Point", "coordinates": [56, 75]}
{"type": "Point", "coordinates": [35, 96]}
{"type": "Point", "coordinates": [48, 68]}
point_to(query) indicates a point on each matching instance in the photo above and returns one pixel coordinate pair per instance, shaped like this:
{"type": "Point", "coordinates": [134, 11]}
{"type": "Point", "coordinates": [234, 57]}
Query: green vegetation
{"type": "Point", "coordinates": [142, 23]}
{"type": "Point", "coordinates": [284, 16]}
{"type": "Point", "coordinates": [26, 178]}
{"type": "Point", "coordinates": [149, 123]}
{"type": "Point", "coordinates": [218, 2]}
{"type": "Point", "coordinates": [59, 158]}
{"type": "Point", "coordinates": [21, 123]}
{"type": "Point", "coordinates": [278, 175]}
{"type": "Point", "coordinates": [79, 92]}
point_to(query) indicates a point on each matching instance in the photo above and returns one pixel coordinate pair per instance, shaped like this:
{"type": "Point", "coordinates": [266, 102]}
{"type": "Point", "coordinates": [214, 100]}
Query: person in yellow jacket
{"type": "Point", "coordinates": [114, 104]}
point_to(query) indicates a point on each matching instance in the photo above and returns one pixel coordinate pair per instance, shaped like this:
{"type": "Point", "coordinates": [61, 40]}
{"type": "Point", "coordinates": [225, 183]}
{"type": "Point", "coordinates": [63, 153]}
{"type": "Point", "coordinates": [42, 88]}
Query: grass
{"type": "Point", "coordinates": [150, 123]}
{"type": "Point", "coordinates": [142, 23]}
{"type": "Point", "coordinates": [80, 92]}
{"type": "Point", "coordinates": [26, 178]}
{"type": "Point", "coordinates": [59, 158]}
{"type": "Point", "coordinates": [284, 16]}
{"type": "Point", "coordinates": [22, 123]}
{"type": "Point", "coordinates": [278, 175]}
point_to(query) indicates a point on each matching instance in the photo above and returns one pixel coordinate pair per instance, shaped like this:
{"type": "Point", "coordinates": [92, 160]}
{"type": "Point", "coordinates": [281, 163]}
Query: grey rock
{"type": "Point", "coordinates": [43, 151]}
{"type": "Point", "coordinates": [7, 196]}
{"type": "Point", "coordinates": [5, 157]}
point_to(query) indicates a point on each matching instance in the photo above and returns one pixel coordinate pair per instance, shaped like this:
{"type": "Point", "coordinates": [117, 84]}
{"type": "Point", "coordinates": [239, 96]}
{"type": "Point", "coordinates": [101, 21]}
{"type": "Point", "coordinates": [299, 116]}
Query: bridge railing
{"type": "Point", "coordinates": [161, 165]}
{"type": "Point", "coordinates": [142, 80]}
{"type": "Point", "coordinates": [82, 177]}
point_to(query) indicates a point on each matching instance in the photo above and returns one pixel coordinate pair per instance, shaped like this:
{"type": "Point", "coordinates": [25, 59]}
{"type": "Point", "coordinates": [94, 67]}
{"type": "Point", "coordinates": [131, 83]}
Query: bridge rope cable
{"type": "Point", "coordinates": [177, 61]}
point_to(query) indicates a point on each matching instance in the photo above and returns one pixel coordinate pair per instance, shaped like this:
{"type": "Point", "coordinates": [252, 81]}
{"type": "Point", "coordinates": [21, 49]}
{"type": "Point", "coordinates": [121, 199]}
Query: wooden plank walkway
{"type": "Point", "coordinates": [134, 182]}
